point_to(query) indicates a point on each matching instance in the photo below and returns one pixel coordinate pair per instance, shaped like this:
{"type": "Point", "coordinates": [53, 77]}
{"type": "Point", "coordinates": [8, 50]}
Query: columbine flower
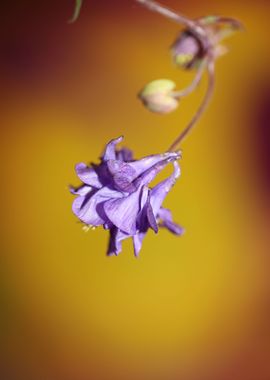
{"type": "Point", "coordinates": [116, 195]}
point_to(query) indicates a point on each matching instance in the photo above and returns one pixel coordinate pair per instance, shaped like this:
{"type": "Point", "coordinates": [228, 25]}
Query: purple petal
{"type": "Point", "coordinates": [137, 242]}
{"type": "Point", "coordinates": [146, 217]}
{"type": "Point", "coordinates": [123, 212]}
{"type": "Point", "coordinates": [159, 192]}
{"type": "Point", "coordinates": [82, 190]}
{"type": "Point", "coordinates": [166, 221]}
{"type": "Point", "coordinates": [88, 175]}
{"type": "Point", "coordinates": [87, 209]}
{"type": "Point", "coordinates": [116, 237]}
{"type": "Point", "coordinates": [150, 216]}
{"type": "Point", "coordinates": [124, 154]}
{"type": "Point", "coordinates": [123, 175]}
{"type": "Point", "coordinates": [186, 44]}
{"type": "Point", "coordinates": [144, 196]}
{"type": "Point", "coordinates": [140, 166]}
{"type": "Point", "coordinates": [152, 172]}
{"type": "Point", "coordinates": [109, 153]}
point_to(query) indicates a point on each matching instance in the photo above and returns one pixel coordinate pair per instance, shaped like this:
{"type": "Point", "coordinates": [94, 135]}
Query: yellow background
{"type": "Point", "coordinates": [190, 308]}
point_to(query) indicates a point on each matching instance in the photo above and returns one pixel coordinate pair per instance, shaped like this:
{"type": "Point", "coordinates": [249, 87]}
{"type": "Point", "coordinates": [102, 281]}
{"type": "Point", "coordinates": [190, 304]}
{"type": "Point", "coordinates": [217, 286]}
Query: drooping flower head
{"type": "Point", "coordinates": [116, 194]}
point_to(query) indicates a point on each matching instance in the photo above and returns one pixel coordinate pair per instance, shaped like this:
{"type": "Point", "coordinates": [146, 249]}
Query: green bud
{"type": "Point", "coordinates": [157, 96]}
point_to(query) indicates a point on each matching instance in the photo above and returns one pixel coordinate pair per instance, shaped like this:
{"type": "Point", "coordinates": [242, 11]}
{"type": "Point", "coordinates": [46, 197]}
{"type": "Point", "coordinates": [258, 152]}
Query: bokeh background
{"type": "Point", "coordinates": [190, 308]}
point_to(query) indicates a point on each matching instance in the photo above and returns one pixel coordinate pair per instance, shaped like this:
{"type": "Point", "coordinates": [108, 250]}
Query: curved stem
{"type": "Point", "coordinates": [229, 21]}
{"type": "Point", "coordinates": [214, 19]}
{"type": "Point", "coordinates": [224, 33]}
{"type": "Point", "coordinates": [77, 10]}
{"type": "Point", "coordinates": [202, 108]}
{"type": "Point", "coordinates": [186, 91]}
{"type": "Point", "coordinates": [227, 25]}
{"type": "Point", "coordinates": [179, 18]}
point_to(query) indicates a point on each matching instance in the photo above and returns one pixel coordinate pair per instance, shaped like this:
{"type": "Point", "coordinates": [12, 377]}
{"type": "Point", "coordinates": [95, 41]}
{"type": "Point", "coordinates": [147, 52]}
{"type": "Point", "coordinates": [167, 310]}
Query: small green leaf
{"type": "Point", "coordinates": [77, 10]}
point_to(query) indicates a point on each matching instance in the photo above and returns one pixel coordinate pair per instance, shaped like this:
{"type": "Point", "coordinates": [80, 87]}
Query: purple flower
{"type": "Point", "coordinates": [116, 195]}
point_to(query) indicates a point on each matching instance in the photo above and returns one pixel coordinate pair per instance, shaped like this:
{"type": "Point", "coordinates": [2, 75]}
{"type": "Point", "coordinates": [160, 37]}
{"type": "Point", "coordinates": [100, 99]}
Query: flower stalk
{"type": "Point", "coordinates": [199, 112]}
{"type": "Point", "coordinates": [117, 193]}
{"type": "Point", "coordinates": [197, 47]}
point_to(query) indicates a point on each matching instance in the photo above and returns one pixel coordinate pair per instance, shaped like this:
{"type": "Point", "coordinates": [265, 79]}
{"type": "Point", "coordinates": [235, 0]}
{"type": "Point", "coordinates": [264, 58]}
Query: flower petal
{"type": "Point", "coordinates": [146, 217]}
{"type": "Point", "coordinates": [123, 212]}
{"type": "Point", "coordinates": [81, 190]}
{"type": "Point", "coordinates": [152, 172]}
{"type": "Point", "coordinates": [166, 221]}
{"type": "Point", "coordinates": [116, 237]}
{"type": "Point", "coordinates": [109, 153]}
{"type": "Point", "coordinates": [123, 175]}
{"type": "Point", "coordinates": [140, 166]}
{"type": "Point", "coordinates": [159, 192]}
{"type": "Point", "coordinates": [150, 216]}
{"type": "Point", "coordinates": [137, 242]}
{"type": "Point", "coordinates": [87, 208]}
{"type": "Point", "coordinates": [88, 175]}
{"type": "Point", "coordinates": [124, 154]}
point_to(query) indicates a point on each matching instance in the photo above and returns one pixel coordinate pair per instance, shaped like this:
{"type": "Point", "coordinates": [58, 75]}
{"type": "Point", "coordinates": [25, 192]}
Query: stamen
{"type": "Point", "coordinates": [88, 227]}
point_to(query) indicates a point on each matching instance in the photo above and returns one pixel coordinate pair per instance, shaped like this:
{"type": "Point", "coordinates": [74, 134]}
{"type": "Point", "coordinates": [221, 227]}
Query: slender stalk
{"type": "Point", "coordinates": [202, 108]}
{"type": "Point", "coordinates": [227, 26]}
{"type": "Point", "coordinates": [77, 10]}
{"type": "Point", "coordinates": [231, 22]}
{"type": "Point", "coordinates": [179, 18]}
{"type": "Point", "coordinates": [188, 90]}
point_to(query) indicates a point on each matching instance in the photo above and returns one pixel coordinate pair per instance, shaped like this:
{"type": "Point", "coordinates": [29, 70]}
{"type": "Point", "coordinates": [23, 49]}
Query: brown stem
{"type": "Point", "coordinates": [202, 108]}
{"type": "Point", "coordinates": [179, 18]}
{"type": "Point", "coordinates": [188, 90]}
{"type": "Point", "coordinates": [231, 22]}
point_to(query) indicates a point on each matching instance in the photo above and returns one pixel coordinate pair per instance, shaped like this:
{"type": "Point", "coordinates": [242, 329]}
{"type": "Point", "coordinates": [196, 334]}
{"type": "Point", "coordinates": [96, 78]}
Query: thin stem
{"type": "Point", "coordinates": [223, 34]}
{"type": "Point", "coordinates": [202, 108]}
{"type": "Point", "coordinates": [186, 91]}
{"type": "Point", "coordinates": [77, 10]}
{"type": "Point", "coordinates": [229, 25]}
{"type": "Point", "coordinates": [214, 19]}
{"type": "Point", "coordinates": [229, 21]}
{"type": "Point", "coordinates": [179, 18]}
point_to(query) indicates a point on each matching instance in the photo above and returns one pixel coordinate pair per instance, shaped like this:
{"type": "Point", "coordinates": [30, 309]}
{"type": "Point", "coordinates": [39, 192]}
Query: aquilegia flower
{"type": "Point", "coordinates": [116, 195]}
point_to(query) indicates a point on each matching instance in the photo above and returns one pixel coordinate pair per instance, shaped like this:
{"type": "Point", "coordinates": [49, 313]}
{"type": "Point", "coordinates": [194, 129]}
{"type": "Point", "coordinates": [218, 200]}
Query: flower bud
{"type": "Point", "coordinates": [187, 50]}
{"type": "Point", "coordinates": [157, 96]}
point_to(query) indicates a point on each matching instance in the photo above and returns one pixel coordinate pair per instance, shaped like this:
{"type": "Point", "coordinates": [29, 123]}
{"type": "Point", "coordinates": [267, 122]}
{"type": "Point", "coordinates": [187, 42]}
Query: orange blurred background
{"type": "Point", "coordinates": [190, 308]}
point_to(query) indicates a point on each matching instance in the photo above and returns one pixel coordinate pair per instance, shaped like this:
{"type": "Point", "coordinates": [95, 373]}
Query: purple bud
{"type": "Point", "coordinates": [187, 50]}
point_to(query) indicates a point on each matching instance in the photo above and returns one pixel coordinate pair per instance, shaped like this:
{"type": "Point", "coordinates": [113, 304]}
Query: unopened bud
{"type": "Point", "coordinates": [157, 96]}
{"type": "Point", "coordinates": [187, 50]}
